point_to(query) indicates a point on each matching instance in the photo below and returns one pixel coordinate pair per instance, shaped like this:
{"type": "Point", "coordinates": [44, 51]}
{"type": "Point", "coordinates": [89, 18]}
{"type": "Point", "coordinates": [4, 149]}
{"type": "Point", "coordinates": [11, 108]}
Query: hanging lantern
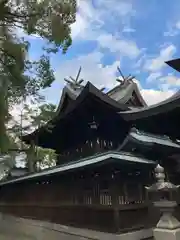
{"type": "Point", "coordinates": [93, 124]}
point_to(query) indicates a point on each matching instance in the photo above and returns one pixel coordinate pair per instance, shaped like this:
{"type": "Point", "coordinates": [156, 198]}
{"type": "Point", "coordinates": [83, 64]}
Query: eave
{"type": "Point", "coordinates": [165, 106]}
{"type": "Point", "coordinates": [147, 139]}
{"type": "Point", "coordinates": [161, 119]}
{"type": "Point", "coordinates": [86, 162]}
{"type": "Point", "coordinates": [154, 139]}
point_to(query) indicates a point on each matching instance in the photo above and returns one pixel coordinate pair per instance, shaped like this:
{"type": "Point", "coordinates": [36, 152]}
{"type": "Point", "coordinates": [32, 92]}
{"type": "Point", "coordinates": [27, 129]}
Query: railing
{"type": "Point", "coordinates": [92, 208]}
{"type": "Point", "coordinates": [57, 196]}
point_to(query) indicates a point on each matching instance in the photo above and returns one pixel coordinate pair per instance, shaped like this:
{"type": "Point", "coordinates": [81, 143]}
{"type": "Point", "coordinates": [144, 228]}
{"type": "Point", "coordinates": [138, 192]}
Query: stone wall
{"type": "Point", "coordinates": [38, 230]}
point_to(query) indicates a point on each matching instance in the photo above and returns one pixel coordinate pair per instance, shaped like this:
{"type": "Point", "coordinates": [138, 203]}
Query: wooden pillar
{"type": "Point", "coordinates": [79, 191]}
{"type": "Point", "coordinates": [95, 183]}
{"type": "Point", "coordinates": [75, 191]}
{"type": "Point", "coordinates": [140, 195]}
{"type": "Point", "coordinates": [125, 193]}
{"type": "Point", "coordinates": [114, 190]}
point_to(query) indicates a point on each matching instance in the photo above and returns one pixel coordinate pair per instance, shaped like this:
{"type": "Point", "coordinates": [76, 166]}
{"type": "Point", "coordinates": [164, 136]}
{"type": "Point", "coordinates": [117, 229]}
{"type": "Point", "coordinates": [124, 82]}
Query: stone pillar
{"type": "Point", "coordinates": [168, 227]}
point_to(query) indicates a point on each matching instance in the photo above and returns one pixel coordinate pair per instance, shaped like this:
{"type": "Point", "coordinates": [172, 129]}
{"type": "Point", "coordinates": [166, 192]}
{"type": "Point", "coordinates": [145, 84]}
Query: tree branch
{"type": "Point", "coordinates": [7, 68]}
{"type": "Point", "coordinates": [25, 16]}
{"type": "Point", "coordinates": [8, 54]}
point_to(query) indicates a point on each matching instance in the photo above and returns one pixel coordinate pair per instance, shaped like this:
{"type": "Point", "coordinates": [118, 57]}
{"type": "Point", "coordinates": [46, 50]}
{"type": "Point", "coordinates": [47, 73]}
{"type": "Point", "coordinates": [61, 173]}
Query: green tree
{"type": "Point", "coordinates": [42, 115]}
{"type": "Point", "coordinates": [31, 118]}
{"type": "Point", "coordinates": [19, 77]}
{"type": "Point", "coordinates": [39, 157]}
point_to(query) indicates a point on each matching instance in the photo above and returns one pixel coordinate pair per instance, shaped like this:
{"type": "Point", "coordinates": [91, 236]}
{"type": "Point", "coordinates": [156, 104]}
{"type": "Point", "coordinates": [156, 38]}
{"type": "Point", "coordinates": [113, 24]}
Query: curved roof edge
{"type": "Point", "coordinates": [148, 139]}
{"type": "Point", "coordinates": [161, 107]}
{"type": "Point", "coordinates": [152, 138]}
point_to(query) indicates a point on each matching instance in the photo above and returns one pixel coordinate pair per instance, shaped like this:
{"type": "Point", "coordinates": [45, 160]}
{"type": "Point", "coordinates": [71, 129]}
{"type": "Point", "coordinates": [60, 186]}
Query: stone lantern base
{"type": "Point", "coordinates": [168, 227]}
{"type": "Point", "coordinates": [167, 220]}
{"type": "Point", "coordinates": [166, 234]}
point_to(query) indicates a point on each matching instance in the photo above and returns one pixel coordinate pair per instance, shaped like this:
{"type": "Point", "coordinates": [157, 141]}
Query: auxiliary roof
{"type": "Point", "coordinates": [95, 159]}
{"type": "Point", "coordinates": [165, 106]}
{"type": "Point", "coordinates": [162, 118]}
{"type": "Point", "coordinates": [144, 138]}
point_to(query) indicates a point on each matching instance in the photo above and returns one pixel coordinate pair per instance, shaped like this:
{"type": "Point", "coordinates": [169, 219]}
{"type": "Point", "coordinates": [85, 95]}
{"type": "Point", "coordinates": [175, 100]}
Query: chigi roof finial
{"type": "Point", "coordinates": [124, 79]}
{"type": "Point", "coordinates": [75, 83]}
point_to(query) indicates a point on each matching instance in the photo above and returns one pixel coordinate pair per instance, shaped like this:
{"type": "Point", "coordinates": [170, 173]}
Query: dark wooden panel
{"type": "Point", "coordinates": [102, 198]}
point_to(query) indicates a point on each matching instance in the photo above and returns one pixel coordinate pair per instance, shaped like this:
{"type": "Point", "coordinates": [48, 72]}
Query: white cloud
{"type": "Point", "coordinates": [171, 32]}
{"type": "Point", "coordinates": [96, 14]}
{"type": "Point", "coordinates": [92, 70]}
{"type": "Point", "coordinates": [21, 34]}
{"type": "Point", "coordinates": [92, 21]}
{"type": "Point", "coordinates": [155, 67]}
{"type": "Point", "coordinates": [91, 24]}
{"type": "Point", "coordinates": [19, 109]}
{"type": "Point", "coordinates": [84, 19]}
{"type": "Point", "coordinates": [166, 82]}
{"type": "Point", "coordinates": [99, 75]}
{"type": "Point", "coordinates": [153, 76]}
{"type": "Point", "coordinates": [153, 96]}
{"type": "Point", "coordinates": [79, 26]}
{"type": "Point", "coordinates": [156, 64]}
{"type": "Point", "coordinates": [178, 25]}
{"type": "Point", "coordinates": [140, 62]}
{"type": "Point", "coordinates": [128, 30]}
{"type": "Point", "coordinates": [170, 80]}
{"type": "Point", "coordinates": [123, 8]}
{"type": "Point", "coordinates": [120, 46]}
{"type": "Point", "coordinates": [172, 29]}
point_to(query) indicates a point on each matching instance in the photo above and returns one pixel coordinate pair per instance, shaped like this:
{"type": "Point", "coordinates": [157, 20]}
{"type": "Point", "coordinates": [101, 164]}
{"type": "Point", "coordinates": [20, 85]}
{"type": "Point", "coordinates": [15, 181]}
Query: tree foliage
{"type": "Point", "coordinates": [31, 118]}
{"type": "Point", "coordinates": [42, 115]}
{"type": "Point", "coordinates": [21, 77]}
{"type": "Point", "coordinates": [49, 19]}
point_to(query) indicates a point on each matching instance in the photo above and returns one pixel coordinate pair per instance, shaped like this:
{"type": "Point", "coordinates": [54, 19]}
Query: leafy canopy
{"type": "Point", "coordinates": [21, 77]}
{"type": "Point", "coordinates": [29, 119]}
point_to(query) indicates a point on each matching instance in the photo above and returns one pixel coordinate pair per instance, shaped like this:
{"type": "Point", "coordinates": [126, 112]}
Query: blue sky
{"type": "Point", "coordinates": [137, 35]}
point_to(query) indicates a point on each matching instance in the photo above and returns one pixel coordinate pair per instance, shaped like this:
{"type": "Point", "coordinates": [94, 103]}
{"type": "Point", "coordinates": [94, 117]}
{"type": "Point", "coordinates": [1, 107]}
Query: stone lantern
{"type": "Point", "coordinates": [163, 194]}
